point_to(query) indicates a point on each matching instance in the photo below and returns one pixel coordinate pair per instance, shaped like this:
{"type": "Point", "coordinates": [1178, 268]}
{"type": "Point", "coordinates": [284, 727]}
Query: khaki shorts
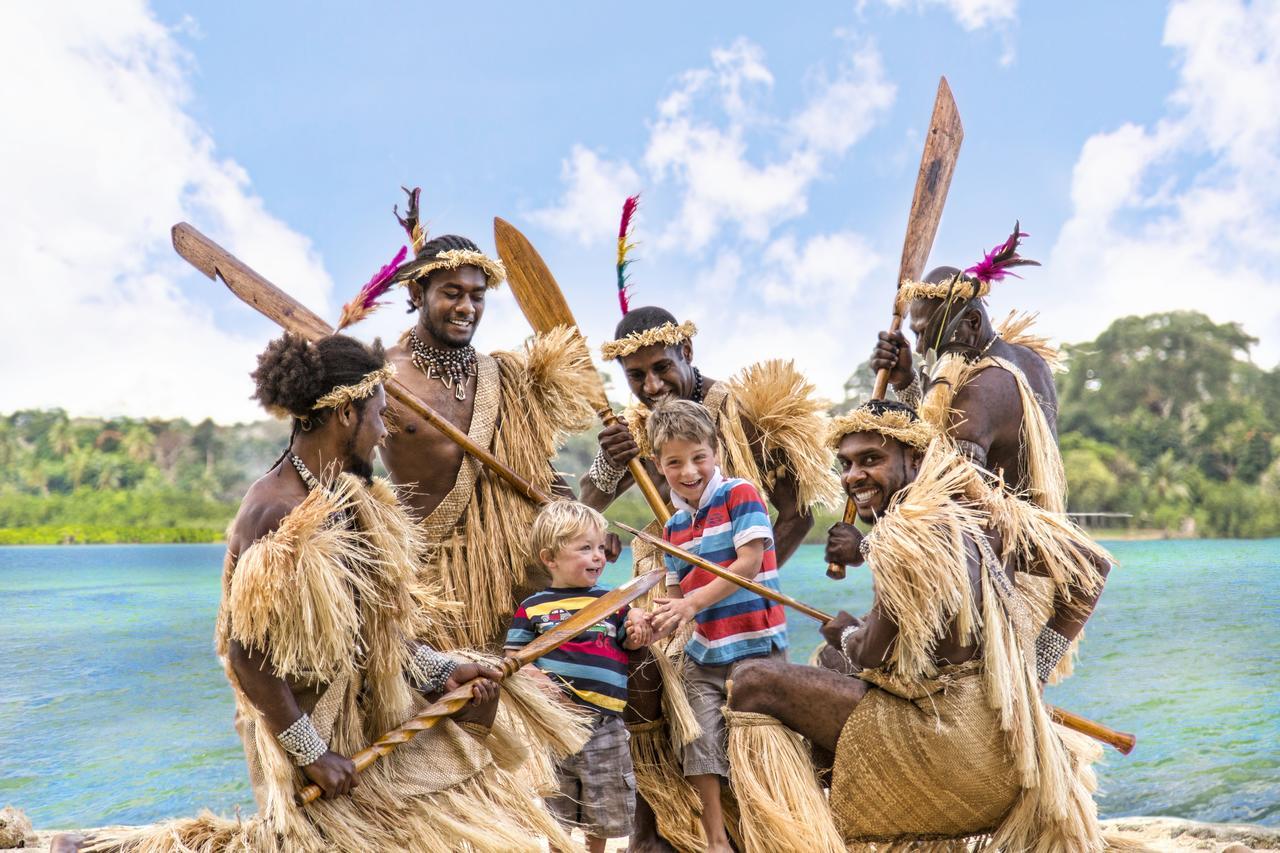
{"type": "Point", "coordinates": [598, 784]}
{"type": "Point", "coordinates": [705, 687]}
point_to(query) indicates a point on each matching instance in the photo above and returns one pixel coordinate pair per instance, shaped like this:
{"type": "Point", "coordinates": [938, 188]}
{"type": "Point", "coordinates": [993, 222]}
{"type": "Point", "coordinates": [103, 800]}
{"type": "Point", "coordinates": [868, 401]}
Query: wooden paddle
{"type": "Point", "coordinates": [544, 305]}
{"type": "Point", "coordinates": [291, 315]}
{"type": "Point", "coordinates": [937, 164]}
{"type": "Point", "coordinates": [451, 702]}
{"type": "Point", "coordinates": [1123, 741]}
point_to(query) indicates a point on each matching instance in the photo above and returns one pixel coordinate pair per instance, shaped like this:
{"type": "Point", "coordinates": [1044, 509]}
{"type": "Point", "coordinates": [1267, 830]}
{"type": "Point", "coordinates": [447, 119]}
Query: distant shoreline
{"type": "Point", "coordinates": [198, 535]}
{"type": "Point", "coordinates": [83, 534]}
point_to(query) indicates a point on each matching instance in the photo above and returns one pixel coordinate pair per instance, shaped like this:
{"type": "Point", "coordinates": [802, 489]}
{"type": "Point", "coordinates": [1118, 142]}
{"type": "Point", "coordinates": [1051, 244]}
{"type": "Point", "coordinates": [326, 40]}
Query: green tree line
{"type": "Point", "coordinates": [65, 479]}
{"type": "Point", "coordinates": [1163, 417]}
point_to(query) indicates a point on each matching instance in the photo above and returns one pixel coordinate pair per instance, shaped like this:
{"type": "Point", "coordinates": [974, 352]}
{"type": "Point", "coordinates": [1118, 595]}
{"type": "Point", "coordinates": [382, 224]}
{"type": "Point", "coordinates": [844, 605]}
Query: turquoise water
{"type": "Point", "coordinates": [114, 710]}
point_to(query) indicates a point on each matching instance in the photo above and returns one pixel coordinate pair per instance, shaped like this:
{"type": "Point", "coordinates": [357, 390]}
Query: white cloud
{"type": "Point", "coordinates": [102, 159]}
{"type": "Point", "coordinates": [723, 170]}
{"type": "Point", "coordinates": [825, 271]}
{"type": "Point", "coordinates": [725, 159]}
{"type": "Point", "coordinates": [970, 14]}
{"type": "Point", "coordinates": [702, 142]}
{"type": "Point", "coordinates": [594, 190]}
{"type": "Point", "coordinates": [1185, 214]}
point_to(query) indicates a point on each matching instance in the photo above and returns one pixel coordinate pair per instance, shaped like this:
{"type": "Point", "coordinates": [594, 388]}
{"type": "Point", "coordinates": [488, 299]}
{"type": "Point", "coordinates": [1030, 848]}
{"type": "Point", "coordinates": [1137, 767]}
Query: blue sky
{"type": "Point", "coordinates": [775, 151]}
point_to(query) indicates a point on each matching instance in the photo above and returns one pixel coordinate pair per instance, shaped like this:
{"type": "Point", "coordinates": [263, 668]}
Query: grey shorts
{"type": "Point", "coordinates": [705, 687]}
{"type": "Point", "coordinates": [598, 784]}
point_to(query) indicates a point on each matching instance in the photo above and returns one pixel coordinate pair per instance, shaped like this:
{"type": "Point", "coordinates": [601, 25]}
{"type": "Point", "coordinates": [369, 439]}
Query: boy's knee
{"type": "Point", "coordinates": [752, 690]}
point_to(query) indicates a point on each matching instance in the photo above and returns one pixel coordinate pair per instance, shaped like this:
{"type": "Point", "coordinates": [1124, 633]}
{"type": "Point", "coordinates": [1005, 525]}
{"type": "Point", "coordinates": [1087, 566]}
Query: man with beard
{"type": "Point", "coordinates": [942, 734]}
{"type": "Point", "coordinates": [319, 630]}
{"type": "Point", "coordinates": [519, 405]}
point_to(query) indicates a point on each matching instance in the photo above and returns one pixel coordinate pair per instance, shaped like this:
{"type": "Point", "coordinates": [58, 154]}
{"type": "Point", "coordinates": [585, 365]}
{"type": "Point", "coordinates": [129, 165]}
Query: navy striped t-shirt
{"type": "Point", "coordinates": [592, 667]}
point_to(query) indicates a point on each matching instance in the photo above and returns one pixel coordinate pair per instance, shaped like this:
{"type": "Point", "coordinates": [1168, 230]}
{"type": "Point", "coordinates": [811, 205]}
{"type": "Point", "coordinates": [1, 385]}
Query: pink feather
{"type": "Point", "coordinates": [366, 301]}
{"type": "Point", "coordinates": [995, 264]}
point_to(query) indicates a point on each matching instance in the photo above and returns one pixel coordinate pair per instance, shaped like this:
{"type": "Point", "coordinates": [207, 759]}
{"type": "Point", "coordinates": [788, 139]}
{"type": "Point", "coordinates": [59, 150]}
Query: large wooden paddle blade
{"type": "Point", "coordinates": [588, 616]}
{"type": "Point", "coordinates": [269, 300]}
{"type": "Point", "coordinates": [937, 165]}
{"type": "Point", "coordinates": [531, 281]}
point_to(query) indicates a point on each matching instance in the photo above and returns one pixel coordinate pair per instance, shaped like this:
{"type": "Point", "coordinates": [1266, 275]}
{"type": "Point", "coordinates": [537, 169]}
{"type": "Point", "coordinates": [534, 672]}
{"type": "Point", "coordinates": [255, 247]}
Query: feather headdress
{"type": "Point", "coordinates": [974, 281]}
{"type": "Point", "coordinates": [366, 301]}
{"type": "Point", "coordinates": [624, 246]}
{"type": "Point", "coordinates": [995, 264]}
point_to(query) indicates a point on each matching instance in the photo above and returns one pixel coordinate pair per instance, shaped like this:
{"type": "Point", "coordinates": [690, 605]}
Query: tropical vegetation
{"type": "Point", "coordinates": [1166, 424]}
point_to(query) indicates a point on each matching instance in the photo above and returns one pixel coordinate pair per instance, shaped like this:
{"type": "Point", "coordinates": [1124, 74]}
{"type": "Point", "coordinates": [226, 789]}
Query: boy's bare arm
{"type": "Point", "coordinates": [675, 610]}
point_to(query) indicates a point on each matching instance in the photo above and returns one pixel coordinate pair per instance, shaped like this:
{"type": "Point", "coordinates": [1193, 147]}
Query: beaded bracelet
{"type": "Point", "coordinates": [844, 641]}
{"type": "Point", "coordinates": [912, 394]}
{"type": "Point", "coordinates": [302, 741]}
{"type": "Point", "coordinates": [433, 669]}
{"type": "Point", "coordinates": [1050, 648]}
{"type": "Point", "coordinates": [605, 474]}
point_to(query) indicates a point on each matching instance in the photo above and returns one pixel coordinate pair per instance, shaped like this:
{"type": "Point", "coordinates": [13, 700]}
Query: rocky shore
{"type": "Point", "coordinates": [1156, 833]}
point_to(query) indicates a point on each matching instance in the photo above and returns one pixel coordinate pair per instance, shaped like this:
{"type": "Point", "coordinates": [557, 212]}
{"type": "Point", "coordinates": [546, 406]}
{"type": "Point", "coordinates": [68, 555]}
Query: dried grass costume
{"type": "Point", "coordinates": [527, 403]}
{"type": "Point", "coordinates": [1041, 460]}
{"type": "Point", "coordinates": [333, 594]}
{"type": "Point", "coordinates": [965, 751]}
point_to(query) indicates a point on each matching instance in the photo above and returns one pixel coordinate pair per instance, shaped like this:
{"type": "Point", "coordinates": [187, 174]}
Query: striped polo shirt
{"type": "Point", "coordinates": [592, 667]}
{"type": "Point", "coordinates": [730, 514]}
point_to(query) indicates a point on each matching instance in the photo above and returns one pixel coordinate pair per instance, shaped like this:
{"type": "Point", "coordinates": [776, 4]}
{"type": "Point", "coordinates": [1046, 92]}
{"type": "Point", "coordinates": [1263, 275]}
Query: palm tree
{"type": "Point", "coordinates": [61, 436]}
{"type": "Point", "coordinates": [138, 443]}
{"type": "Point", "coordinates": [78, 462]}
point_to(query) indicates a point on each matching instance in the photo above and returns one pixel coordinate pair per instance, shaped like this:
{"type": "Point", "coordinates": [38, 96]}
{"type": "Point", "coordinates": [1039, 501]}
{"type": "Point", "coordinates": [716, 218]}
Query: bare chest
{"type": "Point", "coordinates": [418, 455]}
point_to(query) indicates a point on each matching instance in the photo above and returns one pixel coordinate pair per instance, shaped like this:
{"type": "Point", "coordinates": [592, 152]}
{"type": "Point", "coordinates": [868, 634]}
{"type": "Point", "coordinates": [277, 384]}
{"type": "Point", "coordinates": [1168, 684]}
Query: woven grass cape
{"type": "Point", "coordinates": [526, 404]}
{"type": "Point", "coordinates": [338, 603]}
{"type": "Point", "coordinates": [773, 403]}
{"type": "Point", "coordinates": [1046, 479]}
{"type": "Point", "coordinates": [942, 753]}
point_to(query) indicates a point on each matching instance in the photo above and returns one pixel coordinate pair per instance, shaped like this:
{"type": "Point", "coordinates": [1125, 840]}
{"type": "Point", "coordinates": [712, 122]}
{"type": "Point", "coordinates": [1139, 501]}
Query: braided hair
{"type": "Point", "coordinates": [881, 407]}
{"type": "Point", "coordinates": [436, 246]}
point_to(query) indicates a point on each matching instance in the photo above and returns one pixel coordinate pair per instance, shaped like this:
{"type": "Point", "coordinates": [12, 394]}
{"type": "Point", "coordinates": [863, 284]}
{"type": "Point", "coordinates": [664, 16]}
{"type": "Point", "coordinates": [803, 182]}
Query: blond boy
{"type": "Point", "coordinates": [597, 785]}
{"type": "Point", "coordinates": [723, 520]}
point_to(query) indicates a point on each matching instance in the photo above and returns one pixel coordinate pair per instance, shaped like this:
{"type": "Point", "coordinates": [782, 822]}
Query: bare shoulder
{"type": "Point", "coordinates": [265, 506]}
{"type": "Point", "coordinates": [990, 389]}
{"type": "Point", "coordinates": [1037, 371]}
{"type": "Point", "coordinates": [399, 354]}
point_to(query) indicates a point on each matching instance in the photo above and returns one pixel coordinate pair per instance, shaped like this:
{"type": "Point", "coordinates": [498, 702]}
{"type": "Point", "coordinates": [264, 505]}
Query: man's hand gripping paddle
{"type": "Point", "coordinates": [1123, 741]}
{"type": "Point", "coordinates": [544, 305]}
{"type": "Point", "coordinates": [448, 704]}
{"type": "Point", "coordinates": [937, 163]}
{"type": "Point", "coordinates": [292, 316]}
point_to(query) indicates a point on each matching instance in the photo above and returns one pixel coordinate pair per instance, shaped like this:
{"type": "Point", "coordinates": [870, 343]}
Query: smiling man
{"type": "Point", "coordinates": [520, 405]}
{"type": "Point", "coordinates": [942, 734]}
{"type": "Point", "coordinates": [768, 423]}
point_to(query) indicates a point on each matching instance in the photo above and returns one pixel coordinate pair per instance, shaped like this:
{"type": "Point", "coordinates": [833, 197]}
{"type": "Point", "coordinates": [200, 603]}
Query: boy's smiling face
{"type": "Point", "coordinates": [579, 562]}
{"type": "Point", "coordinates": [687, 466]}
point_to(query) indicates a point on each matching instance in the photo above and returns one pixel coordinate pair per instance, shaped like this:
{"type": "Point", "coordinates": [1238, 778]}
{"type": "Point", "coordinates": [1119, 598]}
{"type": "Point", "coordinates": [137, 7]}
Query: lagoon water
{"type": "Point", "coordinates": [113, 708]}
